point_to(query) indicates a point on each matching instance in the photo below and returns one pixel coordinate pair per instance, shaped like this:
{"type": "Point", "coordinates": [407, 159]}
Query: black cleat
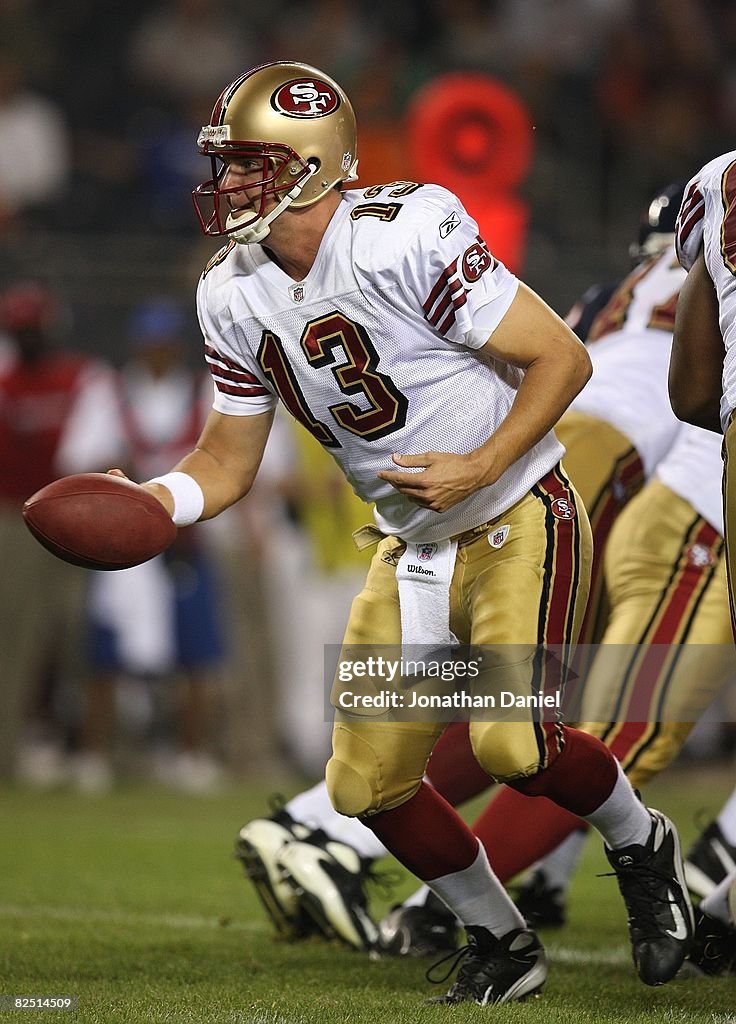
{"type": "Point", "coordinates": [652, 882]}
{"type": "Point", "coordinates": [428, 930]}
{"type": "Point", "coordinates": [503, 970]}
{"type": "Point", "coordinates": [328, 878]}
{"type": "Point", "coordinates": [709, 860]}
{"type": "Point", "coordinates": [541, 905]}
{"type": "Point", "coordinates": [714, 945]}
{"type": "Point", "coordinates": [257, 847]}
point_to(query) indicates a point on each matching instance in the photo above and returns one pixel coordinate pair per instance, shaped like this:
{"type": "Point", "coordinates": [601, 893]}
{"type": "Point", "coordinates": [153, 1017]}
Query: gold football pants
{"type": "Point", "coordinates": [729, 512]}
{"type": "Point", "coordinates": [607, 472]}
{"type": "Point", "coordinates": [531, 590]}
{"type": "Point", "coordinates": [667, 650]}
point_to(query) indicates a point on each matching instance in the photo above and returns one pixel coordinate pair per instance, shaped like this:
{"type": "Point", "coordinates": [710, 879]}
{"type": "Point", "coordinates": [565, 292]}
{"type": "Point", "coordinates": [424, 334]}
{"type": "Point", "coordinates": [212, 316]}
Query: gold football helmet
{"type": "Point", "coordinates": [295, 122]}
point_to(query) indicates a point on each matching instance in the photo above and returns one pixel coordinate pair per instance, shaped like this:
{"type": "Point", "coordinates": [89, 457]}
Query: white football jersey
{"type": "Point", "coordinates": [693, 468]}
{"type": "Point", "coordinates": [629, 345]}
{"type": "Point", "coordinates": [708, 217]}
{"type": "Point", "coordinates": [376, 350]}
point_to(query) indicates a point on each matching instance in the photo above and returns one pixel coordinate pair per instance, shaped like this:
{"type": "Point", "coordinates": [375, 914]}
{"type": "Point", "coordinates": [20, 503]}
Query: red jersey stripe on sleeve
{"type": "Point", "coordinates": [691, 212]}
{"type": "Point", "coordinates": [231, 378]}
{"type": "Point", "coordinates": [447, 293]}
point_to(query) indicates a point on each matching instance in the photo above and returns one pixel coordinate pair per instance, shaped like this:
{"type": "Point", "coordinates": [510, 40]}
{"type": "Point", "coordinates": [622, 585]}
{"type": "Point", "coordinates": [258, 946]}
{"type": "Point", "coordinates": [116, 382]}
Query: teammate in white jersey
{"type": "Point", "coordinates": [703, 366]}
{"type": "Point", "coordinates": [384, 324]}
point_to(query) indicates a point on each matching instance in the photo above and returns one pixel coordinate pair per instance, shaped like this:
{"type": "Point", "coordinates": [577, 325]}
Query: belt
{"type": "Point", "coordinates": [368, 536]}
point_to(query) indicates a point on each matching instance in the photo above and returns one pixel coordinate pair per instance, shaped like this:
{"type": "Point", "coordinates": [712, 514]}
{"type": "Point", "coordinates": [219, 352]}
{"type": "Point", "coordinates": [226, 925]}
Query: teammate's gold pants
{"type": "Point", "coordinates": [667, 650]}
{"type": "Point", "coordinates": [729, 512]}
{"type": "Point", "coordinates": [606, 471]}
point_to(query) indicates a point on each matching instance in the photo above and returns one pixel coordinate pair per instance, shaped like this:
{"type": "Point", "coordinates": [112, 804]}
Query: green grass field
{"type": "Point", "coordinates": [134, 904]}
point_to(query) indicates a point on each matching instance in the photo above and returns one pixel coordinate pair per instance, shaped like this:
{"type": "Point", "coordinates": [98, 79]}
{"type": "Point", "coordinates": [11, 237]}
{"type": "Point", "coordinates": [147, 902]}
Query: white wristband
{"type": "Point", "coordinates": [187, 494]}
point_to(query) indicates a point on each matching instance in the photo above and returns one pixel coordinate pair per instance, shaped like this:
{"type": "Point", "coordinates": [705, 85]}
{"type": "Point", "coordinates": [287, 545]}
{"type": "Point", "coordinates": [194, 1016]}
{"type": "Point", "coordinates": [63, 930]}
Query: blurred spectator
{"type": "Point", "coordinates": [159, 620]}
{"type": "Point", "coordinates": [34, 157]}
{"type": "Point", "coordinates": [41, 598]}
{"type": "Point", "coordinates": [314, 572]}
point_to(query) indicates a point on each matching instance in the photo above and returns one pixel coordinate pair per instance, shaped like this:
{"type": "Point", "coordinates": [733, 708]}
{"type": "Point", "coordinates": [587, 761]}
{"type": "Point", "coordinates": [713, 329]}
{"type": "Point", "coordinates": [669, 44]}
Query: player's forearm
{"type": "Point", "coordinates": [221, 485]}
{"type": "Point", "coordinates": [224, 463]}
{"type": "Point", "coordinates": [547, 389]}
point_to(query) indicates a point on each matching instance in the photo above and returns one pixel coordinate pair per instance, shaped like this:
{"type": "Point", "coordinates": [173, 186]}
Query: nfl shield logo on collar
{"type": "Point", "coordinates": [297, 292]}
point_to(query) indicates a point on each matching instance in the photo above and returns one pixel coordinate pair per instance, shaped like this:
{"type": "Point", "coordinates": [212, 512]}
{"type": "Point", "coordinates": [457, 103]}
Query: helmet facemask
{"type": "Point", "coordinates": [282, 176]}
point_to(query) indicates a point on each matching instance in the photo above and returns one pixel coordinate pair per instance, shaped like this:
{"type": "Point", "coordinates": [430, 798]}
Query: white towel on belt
{"type": "Point", "coordinates": [424, 574]}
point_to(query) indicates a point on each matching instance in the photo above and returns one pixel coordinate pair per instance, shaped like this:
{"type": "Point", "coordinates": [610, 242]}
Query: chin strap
{"type": "Point", "coordinates": [259, 228]}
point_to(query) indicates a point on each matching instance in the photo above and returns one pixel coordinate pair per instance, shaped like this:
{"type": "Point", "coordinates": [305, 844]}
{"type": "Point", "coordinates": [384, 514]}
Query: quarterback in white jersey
{"type": "Point", "coordinates": [386, 327]}
{"type": "Point", "coordinates": [377, 349]}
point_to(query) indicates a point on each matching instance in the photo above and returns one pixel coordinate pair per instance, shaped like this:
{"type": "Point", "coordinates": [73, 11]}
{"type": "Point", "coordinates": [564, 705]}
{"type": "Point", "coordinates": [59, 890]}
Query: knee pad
{"type": "Point", "coordinates": [507, 750]}
{"type": "Point", "coordinates": [375, 766]}
{"type": "Point", "coordinates": [351, 794]}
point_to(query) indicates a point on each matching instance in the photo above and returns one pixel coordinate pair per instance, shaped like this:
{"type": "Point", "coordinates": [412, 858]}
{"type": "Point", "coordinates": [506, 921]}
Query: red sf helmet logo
{"type": "Point", "coordinates": [305, 97]}
{"type": "Point", "coordinates": [476, 260]}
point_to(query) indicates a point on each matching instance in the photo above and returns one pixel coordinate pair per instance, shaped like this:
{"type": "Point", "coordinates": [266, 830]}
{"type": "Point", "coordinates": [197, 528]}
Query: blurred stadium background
{"type": "Point", "coordinates": [100, 105]}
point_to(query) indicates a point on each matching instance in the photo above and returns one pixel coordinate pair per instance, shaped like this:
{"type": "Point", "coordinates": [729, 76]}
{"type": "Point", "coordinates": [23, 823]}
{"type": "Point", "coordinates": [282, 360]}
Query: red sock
{"type": "Point", "coordinates": [453, 769]}
{"type": "Point", "coordinates": [580, 778]}
{"type": "Point", "coordinates": [426, 835]}
{"type": "Point", "coordinates": [518, 830]}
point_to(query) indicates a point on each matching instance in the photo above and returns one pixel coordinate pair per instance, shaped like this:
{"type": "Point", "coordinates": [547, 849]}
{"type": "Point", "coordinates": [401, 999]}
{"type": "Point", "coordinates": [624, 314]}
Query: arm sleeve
{"type": "Point", "coordinates": [449, 273]}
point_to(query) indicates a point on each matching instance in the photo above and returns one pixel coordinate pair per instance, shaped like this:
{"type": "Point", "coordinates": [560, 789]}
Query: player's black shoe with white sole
{"type": "Point", "coordinates": [652, 882]}
{"type": "Point", "coordinates": [714, 946]}
{"type": "Point", "coordinates": [428, 929]}
{"type": "Point", "coordinates": [494, 971]}
{"type": "Point", "coordinates": [257, 847]}
{"type": "Point", "coordinates": [328, 879]}
{"type": "Point", "coordinates": [709, 860]}
{"type": "Point", "coordinates": [539, 903]}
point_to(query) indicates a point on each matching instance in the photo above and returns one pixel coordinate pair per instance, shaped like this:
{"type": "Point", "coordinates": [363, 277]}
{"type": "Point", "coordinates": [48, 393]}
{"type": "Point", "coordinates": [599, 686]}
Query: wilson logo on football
{"type": "Point", "coordinates": [562, 509]}
{"type": "Point", "coordinates": [476, 260]}
{"type": "Point", "coordinates": [305, 97]}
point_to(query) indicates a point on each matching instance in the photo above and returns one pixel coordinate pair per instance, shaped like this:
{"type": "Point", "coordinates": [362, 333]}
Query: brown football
{"type": "Point", "coordinates": [99, 521]}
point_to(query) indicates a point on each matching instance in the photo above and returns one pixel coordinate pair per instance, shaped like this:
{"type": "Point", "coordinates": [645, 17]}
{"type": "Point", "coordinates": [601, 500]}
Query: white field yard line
{"type": "Point", "coordinates": [615, 956]}
{"type": "Point", "coordinates": [81, 914]}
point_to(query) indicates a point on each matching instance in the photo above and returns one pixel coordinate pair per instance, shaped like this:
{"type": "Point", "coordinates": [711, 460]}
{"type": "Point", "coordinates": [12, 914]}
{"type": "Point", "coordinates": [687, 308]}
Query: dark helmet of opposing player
{"type": "Point", "coordinates": [292, 122]}
{"type": "Point", "coordinates": [657, 222]}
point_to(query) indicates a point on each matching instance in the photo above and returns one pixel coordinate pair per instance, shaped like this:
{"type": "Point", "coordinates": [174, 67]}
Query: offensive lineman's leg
{"type": "Point", "coordinates": [666, 577]}
{"type": "Point", "coordinates": [729, 512]}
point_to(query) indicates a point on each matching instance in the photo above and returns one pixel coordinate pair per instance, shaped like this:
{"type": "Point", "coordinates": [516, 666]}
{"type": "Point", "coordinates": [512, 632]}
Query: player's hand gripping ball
{"type": "Point", "coordinates": [99, 521]}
